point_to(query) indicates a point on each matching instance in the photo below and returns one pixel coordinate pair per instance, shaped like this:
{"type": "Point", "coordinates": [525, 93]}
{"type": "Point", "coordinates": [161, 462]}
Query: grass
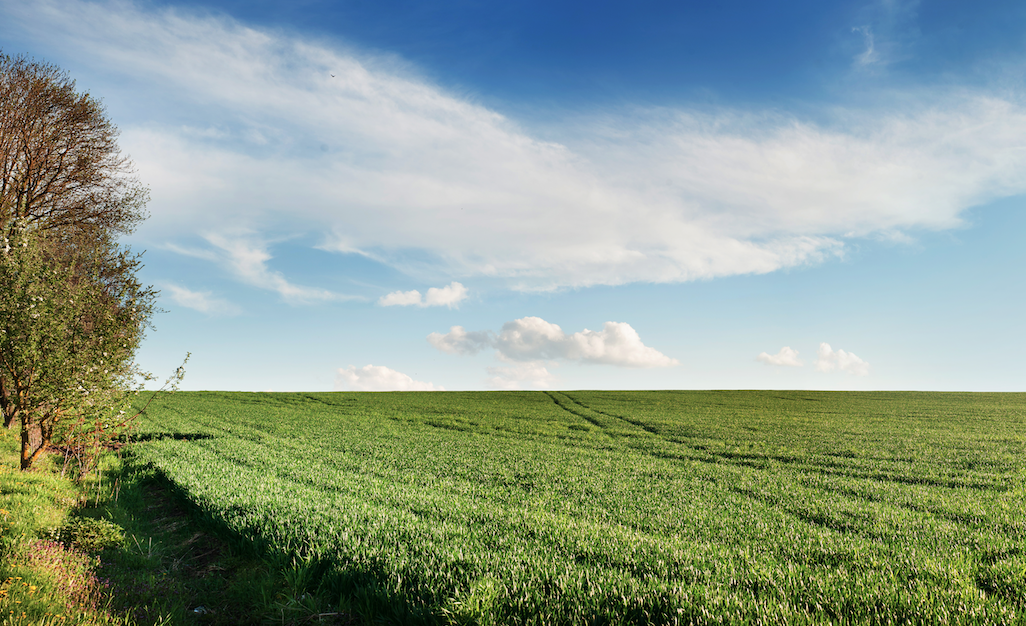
{"type": "Point", "coordinates": [610, 507]}
{"type": "Point", "coordinates": [120, 548]}
{"type": "Point", "coordinates": [43, 580]}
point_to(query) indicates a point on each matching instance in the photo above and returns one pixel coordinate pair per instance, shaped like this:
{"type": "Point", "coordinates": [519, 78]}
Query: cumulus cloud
{"type": "Point", "coordinates": [248, 128]}
{"type": "Point", "coordinates": [829, 360]}
{"type": "Point", "coordinates": [202, 301]}
{"type": "Point", "coordinates": [530, 375]}
{"type": "Point", "coordinates": [378, 378]}
{"type": "Point", "coordinates": [533, 339]}
{"type": "Point", "coordinates": [787, 356]}
{"type": "Point", "coordinates": [449, 296]}
{"type": "Point", "coordinates": [402, 298]}
{"type": "Point", "coordinates": [616, 344]}
{"type": "Point", "coordinates": [459, 341]}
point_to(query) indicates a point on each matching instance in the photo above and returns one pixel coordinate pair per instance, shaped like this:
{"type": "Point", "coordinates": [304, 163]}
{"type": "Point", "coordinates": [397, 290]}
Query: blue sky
{"type": "Point", "coordinates": [470, 195]}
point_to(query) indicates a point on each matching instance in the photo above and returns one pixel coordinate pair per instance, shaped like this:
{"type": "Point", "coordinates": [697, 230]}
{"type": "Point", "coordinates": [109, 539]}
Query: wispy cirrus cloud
{"type": "Point", "coordinates": [202, 301]}
{"type": "Point", "coordinates": [889, 31]}
{"type": "Point", "coordinates": [257, 134]}
{"type": "Point", "coordinates": [869, 54]}
{"type": "Point", "coordinates": [247, 259]}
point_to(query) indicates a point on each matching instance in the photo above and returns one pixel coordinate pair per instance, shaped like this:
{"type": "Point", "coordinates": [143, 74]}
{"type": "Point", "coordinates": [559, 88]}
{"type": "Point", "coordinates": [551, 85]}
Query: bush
{"type": "Point", "coordinates": [90, 535]}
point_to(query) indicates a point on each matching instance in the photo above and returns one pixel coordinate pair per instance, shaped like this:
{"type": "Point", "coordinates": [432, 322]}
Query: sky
{"type": "Point", "coordinates": [464, 195]}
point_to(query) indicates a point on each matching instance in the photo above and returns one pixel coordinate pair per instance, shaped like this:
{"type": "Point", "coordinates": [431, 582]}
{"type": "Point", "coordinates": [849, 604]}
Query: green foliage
{"type": "Point", "coordinates": [71, 309]}
{"type": "Point", "coordinates": [70, 322]}
{"type": "Point", "coordinates": [43, 581]}
{"type": "Point", "coordinates": [90, 535]}
{"type": "Point", "coordinates": [619, 507]}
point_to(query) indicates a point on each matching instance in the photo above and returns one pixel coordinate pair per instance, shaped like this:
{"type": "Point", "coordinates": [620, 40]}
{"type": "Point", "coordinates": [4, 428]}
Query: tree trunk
{"type": "Point", "coordinates": [32, 442]}
{"type": "Point", "coordinates": [8, 407]}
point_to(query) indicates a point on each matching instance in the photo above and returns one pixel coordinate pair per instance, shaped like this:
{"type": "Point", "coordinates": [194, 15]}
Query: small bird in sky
{"type": "Point", "coordinates": [333, 76]}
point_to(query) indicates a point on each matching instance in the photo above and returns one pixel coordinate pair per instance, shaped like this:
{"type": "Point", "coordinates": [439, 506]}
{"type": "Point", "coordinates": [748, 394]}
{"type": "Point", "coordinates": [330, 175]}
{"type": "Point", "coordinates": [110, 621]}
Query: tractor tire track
{"type": "Point", "coordinates": [637, 423]}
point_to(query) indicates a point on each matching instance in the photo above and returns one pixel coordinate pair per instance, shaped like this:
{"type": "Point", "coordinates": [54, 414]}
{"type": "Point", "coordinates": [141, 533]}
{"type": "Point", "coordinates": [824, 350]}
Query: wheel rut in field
{"type": "Point", "coordinates": [565, 403]}
{"type": "Point", "coordinates": [637, 435]}
{"type": "Point", "coordinates": [621, 418]}
{"type": "Point", "coordinates": [844, 522]}
{"type": "Point", "coordinates": [611, 425]}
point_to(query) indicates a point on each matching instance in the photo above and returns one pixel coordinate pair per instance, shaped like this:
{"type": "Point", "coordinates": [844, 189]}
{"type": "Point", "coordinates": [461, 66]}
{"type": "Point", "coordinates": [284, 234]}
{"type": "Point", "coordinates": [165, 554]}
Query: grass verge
{"type": "Point", "coordinates": [42, 579]}
{"type": "Point", "coordinates": [123, 548]}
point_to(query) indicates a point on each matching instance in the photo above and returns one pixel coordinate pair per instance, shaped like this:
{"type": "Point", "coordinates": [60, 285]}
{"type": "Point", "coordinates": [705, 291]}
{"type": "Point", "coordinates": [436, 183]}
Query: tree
{"type": "Point", "coordinates": [60, 164]}
{"type": "Point", "coordinates": [72, 311]}
{"type": "Point", "coordinates": [70, 321]}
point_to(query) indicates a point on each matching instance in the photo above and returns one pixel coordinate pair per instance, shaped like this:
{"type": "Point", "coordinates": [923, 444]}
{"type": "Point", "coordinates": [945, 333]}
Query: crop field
{"type": "Point", "coordinates": [619, 507]}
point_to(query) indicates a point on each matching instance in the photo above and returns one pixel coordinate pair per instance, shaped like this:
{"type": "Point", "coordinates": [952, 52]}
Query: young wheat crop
{"type": "Point", "coordinates": [621, 507]}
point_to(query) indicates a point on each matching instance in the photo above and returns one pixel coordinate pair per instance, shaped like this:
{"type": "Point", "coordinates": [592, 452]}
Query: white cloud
{"type": "Point", "coordinates": [202, 301]}
{"type": "Point", "coordinates": [530, 375]}
{"type": "Point", "coordinates": [402, 298]}
{"type": "Point", "coordinates": [830, 360]}
{"type": "Point", "coordinates": [787, 356]}
{"type": "Point", "coordinates": [533, 339]}
{"type": "Point", "coordinates": [449, 296]}
{"type": "Point", "coordinates": [378, 378]}
{"type": "Point", "coordinates": [616, 344]}
{"type": "Point", "coordinates": [459, 341]}
{"type": "Point", "coordinates": [386, 163]}
{"type": "Point", "coordinates": [248, 261]}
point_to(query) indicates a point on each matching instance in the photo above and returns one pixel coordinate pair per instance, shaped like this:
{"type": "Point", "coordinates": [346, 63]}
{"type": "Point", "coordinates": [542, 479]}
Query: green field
{"type": "Point", "coordinates": [618, 507]}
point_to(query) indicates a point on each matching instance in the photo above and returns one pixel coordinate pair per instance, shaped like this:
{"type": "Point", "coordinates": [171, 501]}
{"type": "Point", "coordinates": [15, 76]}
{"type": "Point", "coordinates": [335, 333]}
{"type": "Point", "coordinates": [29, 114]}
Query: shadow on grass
{"type": "Point", "coordinates": [162, 436]}
{"type": "Point", "coordinates": [180, 564]}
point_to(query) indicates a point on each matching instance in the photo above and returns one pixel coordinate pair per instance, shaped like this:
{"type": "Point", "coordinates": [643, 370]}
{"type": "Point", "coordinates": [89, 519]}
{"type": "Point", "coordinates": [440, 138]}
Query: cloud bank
{"type": "Point", "coordinates": [378, 378]}
{"type": "Point", "coordinates": [448, 296]}
{"type": "Point", "coordinates": [247, 128]}
{"type": "Point", "coordinates": [533, 339]}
